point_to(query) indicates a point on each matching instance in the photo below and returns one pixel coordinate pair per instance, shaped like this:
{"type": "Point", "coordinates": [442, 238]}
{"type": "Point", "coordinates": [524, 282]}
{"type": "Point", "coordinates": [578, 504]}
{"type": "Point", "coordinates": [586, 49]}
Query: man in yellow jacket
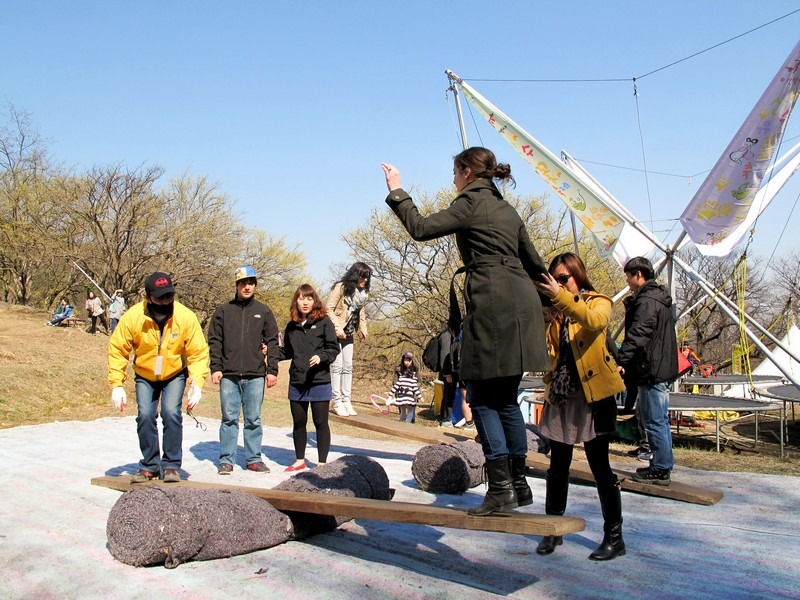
{"type": "Point", "coordinates": [168, 347]}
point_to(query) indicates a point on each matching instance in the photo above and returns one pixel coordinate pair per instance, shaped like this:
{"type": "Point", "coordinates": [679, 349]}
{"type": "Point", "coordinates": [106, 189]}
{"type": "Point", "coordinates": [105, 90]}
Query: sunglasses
{"type": "Point", "coordinates": [563, 279]}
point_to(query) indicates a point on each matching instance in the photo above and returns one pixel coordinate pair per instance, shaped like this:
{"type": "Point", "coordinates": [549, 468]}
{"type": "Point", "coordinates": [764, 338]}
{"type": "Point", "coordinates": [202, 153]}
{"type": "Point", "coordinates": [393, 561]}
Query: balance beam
{"type": "Point", "coordinates": [579, 470]}
{"type": "Point", "coordinates": [379, 510]}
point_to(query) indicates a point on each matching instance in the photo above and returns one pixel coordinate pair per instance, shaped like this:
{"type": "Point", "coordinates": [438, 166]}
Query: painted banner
{"type": "Point", "coordinates": [633, 240]}
{"type": "Point", "coordinates": [725, 198]}
{"type": "Point", "coordinates": [775, 178]}
{"type": "Point", "coordinates": [604, 224]}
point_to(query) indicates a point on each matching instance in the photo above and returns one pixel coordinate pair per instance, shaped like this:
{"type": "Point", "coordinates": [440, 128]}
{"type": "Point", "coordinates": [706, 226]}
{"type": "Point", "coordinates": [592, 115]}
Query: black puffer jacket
{"type": "Point", "coordinates": [301, 342]}
{"type": "Point", "coordinates": [649, 353]}
{"type": "Point", "coordinates": [237, 330]}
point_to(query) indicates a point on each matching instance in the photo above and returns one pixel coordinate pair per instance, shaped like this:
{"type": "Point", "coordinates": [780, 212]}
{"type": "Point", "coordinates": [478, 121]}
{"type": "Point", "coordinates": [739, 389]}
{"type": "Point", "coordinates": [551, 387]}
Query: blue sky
{"type": "Point", "coordinates": [292, 106]}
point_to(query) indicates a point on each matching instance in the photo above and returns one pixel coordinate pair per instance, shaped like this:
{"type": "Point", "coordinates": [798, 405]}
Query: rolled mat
{"type": "Point", "coordinates": [352, 476]}
{"type": "Point", "coordinates": [154, 525]}
{"type": "Point", "coordinates": [448, 468]}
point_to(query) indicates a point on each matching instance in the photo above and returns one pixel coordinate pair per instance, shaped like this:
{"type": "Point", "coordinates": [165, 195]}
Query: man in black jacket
{"type": "Point", "coordinates": [650, 355]}
{"type": "Point", "coordinates": [238, 331]}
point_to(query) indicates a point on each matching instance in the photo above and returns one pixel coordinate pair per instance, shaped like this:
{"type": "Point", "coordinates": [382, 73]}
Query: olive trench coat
{"type": "Point", "coordinates": [504, 332]}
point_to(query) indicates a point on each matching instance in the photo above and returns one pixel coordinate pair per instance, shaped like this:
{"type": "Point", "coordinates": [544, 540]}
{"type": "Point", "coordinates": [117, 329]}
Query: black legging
{"type": "Point", "coordinates": [319, 414]}
{"type": "Point", "coordinates": [103, 322]}
{"type": "Point", "coordinates": [596, 454]}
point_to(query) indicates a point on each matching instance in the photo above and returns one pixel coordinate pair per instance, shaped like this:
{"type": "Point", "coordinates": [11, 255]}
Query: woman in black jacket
{"type": "Point", "coordinates": [503, 329]}
{"type": "Point", "coordinates": [309, 341]}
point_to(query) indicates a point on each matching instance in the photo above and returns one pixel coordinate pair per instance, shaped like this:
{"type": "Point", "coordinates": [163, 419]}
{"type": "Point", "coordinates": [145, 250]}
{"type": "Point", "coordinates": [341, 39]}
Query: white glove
{"type": "Point", "coordinates": [193, 397]}
{"type": "Point", "coordinates": [119, 398]}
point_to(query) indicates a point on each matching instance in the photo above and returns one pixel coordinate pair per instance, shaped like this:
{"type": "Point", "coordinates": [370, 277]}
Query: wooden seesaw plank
{"type": "Point", "coordinates": [579, 471]}
{"type": "Point", "coordinates": [379, 510]}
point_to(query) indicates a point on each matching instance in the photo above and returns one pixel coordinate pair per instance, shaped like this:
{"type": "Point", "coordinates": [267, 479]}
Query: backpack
{"type": "Point", "coordinates": [430, 356]}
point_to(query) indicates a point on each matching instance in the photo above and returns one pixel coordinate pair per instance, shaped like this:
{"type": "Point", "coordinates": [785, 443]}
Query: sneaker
{"type": "Point", "coordinates": [461, 423]}
{"type": "Point", "coordinates": [447, 423]}
{"type": "Point", "coordinates": [258, 467]}
{"type": "Point", "coordinates": [645, 456]}
{"type": "Point", "coordinates": [225, 469]}
{"type": "Point", "coordinates": [636, 452]}
{"type": "Point", "coordinates": [652, 476]}
{"type": "Point", "coordinates": [469, 425]}
{"type": "Point", "coordinates": [141, 476]}
{"type": "Point", "coordinates": [171, 476]}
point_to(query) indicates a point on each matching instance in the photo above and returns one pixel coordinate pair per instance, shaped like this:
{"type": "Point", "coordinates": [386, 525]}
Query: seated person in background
{"type": "Point", "coordinates": [64, 311]}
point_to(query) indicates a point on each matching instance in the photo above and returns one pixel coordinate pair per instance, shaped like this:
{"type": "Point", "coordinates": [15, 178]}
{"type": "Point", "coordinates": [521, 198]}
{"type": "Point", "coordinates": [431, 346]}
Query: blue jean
{"type": "Point", "coordinates": [408, 413]}
{"type": "Point", "coordinates": [497, 416]}
{"type": "Point", "coordinates": [245, 394]}
{"type": "Point", "coordinates": [654, 404]}
{"type": "Point", "coordinates": [148, 394]}
{"type": "Point", "coordinates": [113, 324]}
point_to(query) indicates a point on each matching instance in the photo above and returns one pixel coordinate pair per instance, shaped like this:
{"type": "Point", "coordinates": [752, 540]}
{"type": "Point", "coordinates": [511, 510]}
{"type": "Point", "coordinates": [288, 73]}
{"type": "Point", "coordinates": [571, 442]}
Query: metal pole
{"type": "Point", "coordinates": [454, 81]}
{"type": "Point", "coordinates": [85, 274]}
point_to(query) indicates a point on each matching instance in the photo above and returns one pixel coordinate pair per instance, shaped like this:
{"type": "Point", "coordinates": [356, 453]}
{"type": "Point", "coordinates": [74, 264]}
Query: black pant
{"type": "Point", "coordinates": [319, 414]}
{"type": "Point", "coordinates": [103, 322]}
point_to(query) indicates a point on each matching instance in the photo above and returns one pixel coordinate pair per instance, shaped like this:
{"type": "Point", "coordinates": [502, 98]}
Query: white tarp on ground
{"type": "Point", "coordinates": [53, 533]}
{"type": "Point", "coordinates": [767, 367]}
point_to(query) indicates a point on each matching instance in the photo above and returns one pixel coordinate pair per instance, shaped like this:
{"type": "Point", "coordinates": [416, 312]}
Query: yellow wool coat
{"type": "Point", "coordinates": [589, 314]}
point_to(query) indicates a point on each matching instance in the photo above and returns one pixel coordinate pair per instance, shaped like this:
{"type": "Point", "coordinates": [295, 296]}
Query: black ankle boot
{"type": "Point", "coordinates": [548, 544]}
{"type": "Point", "coordinates": [612, 545]}
{"type": "Point", "coordinates": [501, 496]}
{"type": "Point", "coordinates": [518, 472]}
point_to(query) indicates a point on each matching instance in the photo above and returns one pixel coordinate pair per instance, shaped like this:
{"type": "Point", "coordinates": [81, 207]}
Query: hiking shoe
{"type": "Point", "coordinates": [225, 469]}
{"type": "Point", "coordinates": [469, 425]}
{"type": "Point", "coordinates": [171, 476]}
{"type": "Point", "coordinates": [652, 476]}
{"type": "Point", "coordinates": [141, 476]}
{"type": "Point", "coordinates": [645, 456]}
{"type": "Point", "coordinates": [258, 467]}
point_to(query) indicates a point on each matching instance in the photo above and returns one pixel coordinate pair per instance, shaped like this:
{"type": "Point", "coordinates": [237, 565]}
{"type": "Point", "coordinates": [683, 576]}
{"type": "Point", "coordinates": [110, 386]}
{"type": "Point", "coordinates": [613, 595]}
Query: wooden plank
{"type": "Point", "coordinates": [579, 471]}
{"type": "Point", "coordinates": [380, 510]}
{"type": "Point", "coordinates": [389, 426]}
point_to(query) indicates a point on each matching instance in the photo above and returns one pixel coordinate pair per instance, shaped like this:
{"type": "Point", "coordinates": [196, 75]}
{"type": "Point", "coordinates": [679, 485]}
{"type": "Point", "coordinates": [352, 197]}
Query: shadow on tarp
{"type": "Point", "coordinates": [404, 545]}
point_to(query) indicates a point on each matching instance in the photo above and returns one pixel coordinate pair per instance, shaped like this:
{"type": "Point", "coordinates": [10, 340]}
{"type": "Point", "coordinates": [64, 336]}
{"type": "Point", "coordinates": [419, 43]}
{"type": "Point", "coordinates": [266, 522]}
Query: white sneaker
{"type": "Point", "coordinates": [351, 412]}
{"type": "Point", "coordinates": [340, 410]}
{"type": "Point", "coordinates": [460, 424]}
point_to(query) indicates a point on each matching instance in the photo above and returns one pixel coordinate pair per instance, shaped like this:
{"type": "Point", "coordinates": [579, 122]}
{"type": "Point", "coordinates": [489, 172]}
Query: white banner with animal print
{"type": "Point", "coordinates": [604, 224]}
{"type": "Point", "coordinates": [725, 198]}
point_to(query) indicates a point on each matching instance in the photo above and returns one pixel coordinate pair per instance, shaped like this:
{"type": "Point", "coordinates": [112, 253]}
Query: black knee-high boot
{"type": "Point", "coordinates": [501, 495]}
{"type": "Point", "coordinates": [518, 472]}
{"type": "Point", "coordinates": [555, 503]}
{"type": "Point", "coordinates": [611, 503]}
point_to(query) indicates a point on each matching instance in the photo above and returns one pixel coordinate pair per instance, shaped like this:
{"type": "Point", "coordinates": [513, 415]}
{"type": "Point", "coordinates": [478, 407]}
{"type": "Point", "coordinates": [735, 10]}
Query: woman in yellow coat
{"type": "Point", "coordinates": [580, 389]}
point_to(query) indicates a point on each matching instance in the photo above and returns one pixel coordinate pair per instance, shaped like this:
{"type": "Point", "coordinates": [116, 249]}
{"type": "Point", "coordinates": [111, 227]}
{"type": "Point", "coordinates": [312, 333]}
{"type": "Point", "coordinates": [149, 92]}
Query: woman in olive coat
{"type": "Point", "coordinates": [503, 329]}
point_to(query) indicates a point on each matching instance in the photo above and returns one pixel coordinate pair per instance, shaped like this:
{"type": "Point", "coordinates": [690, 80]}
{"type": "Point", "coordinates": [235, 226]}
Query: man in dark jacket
{"type": "Point", "coordinates": [650, 353]}
{"type": "Point", "coordinates": [239, 330]}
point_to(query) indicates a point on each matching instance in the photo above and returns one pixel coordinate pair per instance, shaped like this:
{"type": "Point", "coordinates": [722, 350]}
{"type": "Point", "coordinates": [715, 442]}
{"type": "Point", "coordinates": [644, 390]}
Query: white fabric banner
{"type": "Point", "coordinates": [725, 198]}
{"type": "Point", "coordinates": [604, 224]}
{"type": "Point", "coordinates": [781, 172]}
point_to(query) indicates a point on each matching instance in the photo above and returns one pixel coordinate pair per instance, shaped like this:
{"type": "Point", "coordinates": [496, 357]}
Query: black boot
{"type": "Point", "coordinates": [501, 496]}
{"type": "Point", "coordinates": [612, 545]}
{"type": "Point", "coordinates": [555, 503]}
{"type": "Point", "coordinates": [548, 544]}
{"type": "Point", "coordinates": [518, 472]}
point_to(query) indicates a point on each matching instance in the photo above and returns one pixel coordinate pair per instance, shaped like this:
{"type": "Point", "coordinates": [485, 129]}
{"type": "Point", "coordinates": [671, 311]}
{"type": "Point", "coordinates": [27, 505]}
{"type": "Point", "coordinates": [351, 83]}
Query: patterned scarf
{"type": "Point", "coordinates": [562, 383]}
